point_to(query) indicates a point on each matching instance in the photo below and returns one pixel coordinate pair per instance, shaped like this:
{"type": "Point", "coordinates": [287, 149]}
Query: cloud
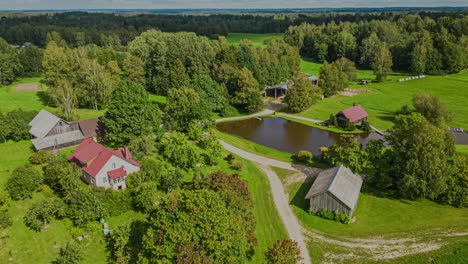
{"type": "Point", "coordinates": [187, 4]}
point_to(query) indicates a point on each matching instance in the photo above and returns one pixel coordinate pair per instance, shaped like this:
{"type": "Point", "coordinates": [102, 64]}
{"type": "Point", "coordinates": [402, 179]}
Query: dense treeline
{"type": "Point", "coordinates": [416, 44]}
{"type": "Point", "coordinates": [81, 28]}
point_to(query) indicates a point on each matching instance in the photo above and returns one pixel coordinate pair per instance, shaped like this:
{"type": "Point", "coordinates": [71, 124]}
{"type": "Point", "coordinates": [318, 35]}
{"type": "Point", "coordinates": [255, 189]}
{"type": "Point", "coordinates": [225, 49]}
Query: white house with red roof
{"type": "Point", "coordinates": [103, 167]}
{"type": "Point", "coordinates": [355, 114]}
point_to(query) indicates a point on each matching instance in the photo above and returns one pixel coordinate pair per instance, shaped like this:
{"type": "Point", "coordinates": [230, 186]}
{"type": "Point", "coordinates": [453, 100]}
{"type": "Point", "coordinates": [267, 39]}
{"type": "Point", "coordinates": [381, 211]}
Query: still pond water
{"type": "Point", "coordinates": [285, 135]}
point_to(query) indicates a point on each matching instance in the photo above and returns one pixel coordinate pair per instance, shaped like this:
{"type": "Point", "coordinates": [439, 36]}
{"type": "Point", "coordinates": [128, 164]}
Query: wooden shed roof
{"type": "Point", "coordinates": [282, 85]}
{"type": "Point", "coordinates": [341, 182]}
{"type": "Point", "coordinates": [43, 123]}
{"type": "Point", "coordinates": [57, 140]}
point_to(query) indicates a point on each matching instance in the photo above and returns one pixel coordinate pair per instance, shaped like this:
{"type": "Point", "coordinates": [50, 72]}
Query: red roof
{"type": "Point", "coordinates": [117, 173]}
{"type": "Point", "coordinates": [92, 156]}
{"type": "Point", "coordinates": [355, 113]}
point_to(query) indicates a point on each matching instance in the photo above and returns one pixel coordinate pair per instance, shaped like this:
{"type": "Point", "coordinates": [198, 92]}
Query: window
{"type": "Point", "coordinates": [104, 179]}
{"type": "Point", "coordinates": [113, 165]}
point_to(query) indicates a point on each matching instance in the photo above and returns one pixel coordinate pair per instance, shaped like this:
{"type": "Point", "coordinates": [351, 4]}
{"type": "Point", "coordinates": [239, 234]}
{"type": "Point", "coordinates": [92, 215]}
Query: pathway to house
{"type": "Point", "coordinates": [265, 112]}
{"type": "Point", "coordinates": [279, 196]}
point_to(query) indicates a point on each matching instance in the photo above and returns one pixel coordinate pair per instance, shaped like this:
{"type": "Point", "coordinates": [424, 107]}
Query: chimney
{"type": "Point", "coordinates": [354, 104]}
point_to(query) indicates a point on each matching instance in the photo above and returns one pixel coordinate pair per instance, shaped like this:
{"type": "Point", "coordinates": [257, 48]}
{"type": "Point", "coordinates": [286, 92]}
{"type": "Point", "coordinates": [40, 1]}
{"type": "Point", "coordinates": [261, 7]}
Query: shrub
{"type": "Point", "coordinates": [236, 164]}
{"type": "Point", "coordinates": [332, 120]}
{"type": "Point", "coordinates": [23, 181]}
{"type": "Point", "coordinates": [5, 219]}
{"type": "Point", "coordinates": [41, 157]}
{"type": "Point", "coordinates": [304, 156]}
{"type": "Point", "coordinates": [365, 126]}
{"type": "Point", "coordinates": [229, 111]}
{"type": "Point", "coordinates": [335, 216]}
{"type": "Point", "coordinates": [349, 126]}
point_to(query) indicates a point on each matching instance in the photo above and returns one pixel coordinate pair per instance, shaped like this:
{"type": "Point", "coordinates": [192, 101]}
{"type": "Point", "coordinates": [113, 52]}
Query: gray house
{"type": "Point", "coordinates": [335, 189]}
{"type": "Point", "coordinates": [51, 133]}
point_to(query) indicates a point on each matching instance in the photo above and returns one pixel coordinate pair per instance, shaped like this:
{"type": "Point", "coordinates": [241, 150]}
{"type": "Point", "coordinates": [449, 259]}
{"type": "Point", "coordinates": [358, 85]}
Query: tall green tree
{"type": "Point", "coordinates": [65, 97]}
{"type": "Point", "coordinates": [332, 80]}
{"type": "Point", "coordinates": [423, 155]}
{"type": "Point", "coordinates": [347, 152]}
{"type": "Point", "coordinates": [382, 62]}
{"type": "Point", "coordinates": [130, 114]}
{"type": "Point", "coordinates": [301, 93]}
{"type": "Point", "coordinates": [214, 95]}
{"type": "Point", "coordinates": [133, 67]}
{"type": "Point", "coordinates": [70, 254]}
{"type": "Point", "coordinates": [181, 152]}
{"type": "Point", "coordinates": [96, 84]}
{"type": "Point", "coordinates": [42, 212]}
{"type": "Point", "coordinates": [184, 106]}
{"type": "Point", "coordinates": [368, 48]}
{"type": "Point", "coordinates": [432, 109]}
{"type": "Point", "coordinates": [23, 181]}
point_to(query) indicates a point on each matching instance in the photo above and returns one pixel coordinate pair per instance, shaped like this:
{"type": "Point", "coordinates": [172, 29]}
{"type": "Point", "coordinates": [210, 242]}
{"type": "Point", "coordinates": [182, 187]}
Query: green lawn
{"type": "Point", "coordinates": [11, 100]}
{"type": "Point", "coordinates": [257, 39]}
{"type": "Point", "coordinates": [384, 99]}
{"type": "Point", "coordinates": [13, 155]}
{"type": "Point", "coordinates": [462, 149]}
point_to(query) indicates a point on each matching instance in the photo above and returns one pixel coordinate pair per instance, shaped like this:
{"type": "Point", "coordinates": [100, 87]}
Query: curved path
{"type": "Point", "coordinates": [265, 112]}
{"type": "Point", "coordinates": [279, 195]}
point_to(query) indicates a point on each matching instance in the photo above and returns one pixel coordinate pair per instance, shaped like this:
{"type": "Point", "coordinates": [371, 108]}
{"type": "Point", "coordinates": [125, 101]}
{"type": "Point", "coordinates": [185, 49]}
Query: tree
{"type": "Point", "coordinates": [114, 67]}
{"type": "Point", "coordinates": [146, 196]}
{"type": "Point", "coordinates": [332, 80]}
{"type": "Point", "coordinates": [23, 181]}
{"type": "Point", "coordinates": [432, 109]}
{"type": "Point", "coordinates": [178, 77]}
{"type": "Point", "coordinates": [347, 152]}
{"type": "Point", "coordinates": [180, 151]}
{"type": "Point", "coordinates": [130, 114]}
{"type": "Point", "coordinates": [349, 126]}
{"type": "Point", "coordinates": [70, 254]}
{"type": "Point", "coordinates": [55, 36]}
{"type": "Point", "coordinates": [133, 67]}
{"type": "Point", "coordinates": [382, 62]}
{"type": "Point", "coordinates": [214, 95]}
{"type": "Point", "coordinates": [348, 67]}
{"type": "Point", "coordinates": [301, 93]}
{"type": "Point", "coordinates": [96, 84]}
{"type": "Point", "coordinates": [41, 212]}
{"type": "Point", "coordinates": [31, 60]}
{"type": "Point", "coordinates": [184, 107]}
{"type": "Point", "coordinates": [368, 48]}
{"type": "Point", "coordinates": [284, 251]}
{"type": "Point", "coordinates": [142, 147]}
{"type": "Point", "coordinates": [457, 194]}
{"type": "Point", "coordinates": [379, 166]}
{"type": "Point", "coordinates": [423, 156]}
{"type": "Point", "coordinates": [62, 176]}
{"type": "Point", "coordinates": [5, 219]}
{"type": "Point", "coordinates": [186, 216]}
{"type": "Point", "coordinates": [333, 121]}
{"type": "Point", "coordinates": [57, 65]}
{"type": "Point", "coordinates": [171, 180]}
{"type": "Point", "coordinates": [65, 97]}
{"type": "Point", "coordinates": [10, 67]}
{"type": "Point", "coordinates": [4, 200]}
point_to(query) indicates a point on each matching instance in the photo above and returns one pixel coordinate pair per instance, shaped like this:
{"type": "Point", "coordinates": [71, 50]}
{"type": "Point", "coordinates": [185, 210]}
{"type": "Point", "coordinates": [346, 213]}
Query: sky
{"type": "Point", "coordinates": [220, 4]}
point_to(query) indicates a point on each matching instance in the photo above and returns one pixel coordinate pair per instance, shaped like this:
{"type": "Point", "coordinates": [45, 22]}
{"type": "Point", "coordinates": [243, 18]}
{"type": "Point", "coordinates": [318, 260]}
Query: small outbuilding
{"type": "Point", "coordinates": [314, 79]}
{"type": "Point", "coordinates": [355, 114]}
{"type": "Point", "coordinates": [276, 91]}
{"type": "Point", "coordinates": [337, 188]}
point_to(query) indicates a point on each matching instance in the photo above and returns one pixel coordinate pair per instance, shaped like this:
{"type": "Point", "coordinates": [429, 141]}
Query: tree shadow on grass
{"type": "Point", "coordinates": [46, 100]}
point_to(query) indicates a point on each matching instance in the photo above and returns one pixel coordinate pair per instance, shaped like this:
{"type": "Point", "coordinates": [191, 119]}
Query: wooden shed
{"type": "Point", "coordinates": [276, 91]}
{"type": "Point", "coordinates": [337, 188]}
{"type": "Point", "coordinates": [355, 114]}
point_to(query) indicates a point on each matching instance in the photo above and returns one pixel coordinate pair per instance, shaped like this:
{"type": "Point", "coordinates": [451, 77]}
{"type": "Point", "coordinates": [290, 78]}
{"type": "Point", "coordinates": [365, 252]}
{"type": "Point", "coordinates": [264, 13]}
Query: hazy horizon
{"type": "Point", "coordinates": [219, 4]}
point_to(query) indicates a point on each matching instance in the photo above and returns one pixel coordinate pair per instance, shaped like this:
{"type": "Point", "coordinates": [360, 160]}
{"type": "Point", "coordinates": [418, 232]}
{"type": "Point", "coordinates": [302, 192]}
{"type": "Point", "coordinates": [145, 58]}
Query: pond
{"type": "Point", "coordinates": [285, 135]}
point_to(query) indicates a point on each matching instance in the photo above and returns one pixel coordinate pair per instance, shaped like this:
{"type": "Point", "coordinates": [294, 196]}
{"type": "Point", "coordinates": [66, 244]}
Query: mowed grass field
{"type": "Point", "coordinates": [257, 39]}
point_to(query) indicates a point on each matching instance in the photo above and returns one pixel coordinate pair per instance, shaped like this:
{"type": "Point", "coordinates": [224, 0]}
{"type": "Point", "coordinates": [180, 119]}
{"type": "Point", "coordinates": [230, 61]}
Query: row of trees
{"type": "Point", "coordinates": [16, 62]}
{"type": "Point", "coordinates": [411, 43]}
{"type": "Point", "coordinates": [418, 162]}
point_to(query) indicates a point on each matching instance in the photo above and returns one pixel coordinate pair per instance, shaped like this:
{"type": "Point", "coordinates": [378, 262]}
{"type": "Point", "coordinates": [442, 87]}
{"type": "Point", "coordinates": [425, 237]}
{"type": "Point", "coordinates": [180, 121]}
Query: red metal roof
{"type": "Point", "coordinates": [117, 173]}
{"type": "Point", "coordinates": [94, 156]}
{"type": "Point", "coordinates": [355, 113]}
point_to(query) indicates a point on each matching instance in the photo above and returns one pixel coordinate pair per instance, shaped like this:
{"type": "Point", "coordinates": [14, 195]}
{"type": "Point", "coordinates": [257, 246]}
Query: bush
{"type": "Point", "coordinates": [23, 181]}
{"type": "Point", "coordinates": [349, 126]}
{"type": "Point", "coordinates": [229, 111]}
{"type": "Point", "coordinates": [236, 164]}
{"type": "Point", "coordinates": [335, 216]}
{"type": "Point", "coordinates": [304, 156]}
{"type": "Point", "coordinates": [5, 219]}
{"type": "Point", "coordinates": [15, 125]}
{"type": "Point", "coordinates": [41, 157]}
{"type": "Point", "coordinates": [365, 126]}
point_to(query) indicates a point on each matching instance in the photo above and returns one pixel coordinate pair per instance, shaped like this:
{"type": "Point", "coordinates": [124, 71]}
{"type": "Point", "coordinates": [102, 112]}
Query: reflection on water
{"type": "Point", "coordinates": [287, 136]}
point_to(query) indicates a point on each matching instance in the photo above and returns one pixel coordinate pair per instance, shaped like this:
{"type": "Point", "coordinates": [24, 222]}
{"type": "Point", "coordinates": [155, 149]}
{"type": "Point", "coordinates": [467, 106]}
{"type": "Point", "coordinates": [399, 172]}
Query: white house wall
{"type": "Point", "coordinates": [102, 179]}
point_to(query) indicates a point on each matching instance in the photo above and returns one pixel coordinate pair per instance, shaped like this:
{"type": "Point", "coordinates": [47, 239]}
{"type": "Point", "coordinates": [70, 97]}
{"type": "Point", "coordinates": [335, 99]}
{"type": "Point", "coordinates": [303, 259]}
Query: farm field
{"type": "Point", "coordinates": [379, 217]}
{"type": "Point", "coordinates": [257, 39]}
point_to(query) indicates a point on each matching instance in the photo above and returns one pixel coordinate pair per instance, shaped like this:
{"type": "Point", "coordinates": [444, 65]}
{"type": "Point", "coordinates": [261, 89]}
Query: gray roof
{"type": "Point", "coordinates": [43, 123]}
{"type": "Point", "coordinates": [282, 85]}
{"type": "Point", "coordinates": [312, 77]}
{"type": "Point", "coordinates": [341, 182]}
{"type": "Point", "coordinates": [56, 140]}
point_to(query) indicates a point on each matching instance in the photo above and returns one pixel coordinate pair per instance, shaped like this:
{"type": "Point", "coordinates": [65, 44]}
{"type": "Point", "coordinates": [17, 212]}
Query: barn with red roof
{"type": "Point", "coordinates": [355, 114]}
{"type": "Point", "coordinates": [103, 167]}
